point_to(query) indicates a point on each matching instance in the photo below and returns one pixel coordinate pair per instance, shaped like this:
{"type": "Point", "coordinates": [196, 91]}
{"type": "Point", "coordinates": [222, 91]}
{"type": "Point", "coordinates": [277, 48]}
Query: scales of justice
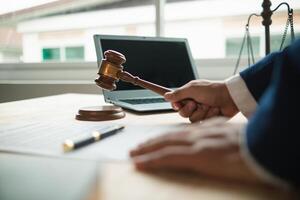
{"type": "Point", "coordinates": [111, 69]}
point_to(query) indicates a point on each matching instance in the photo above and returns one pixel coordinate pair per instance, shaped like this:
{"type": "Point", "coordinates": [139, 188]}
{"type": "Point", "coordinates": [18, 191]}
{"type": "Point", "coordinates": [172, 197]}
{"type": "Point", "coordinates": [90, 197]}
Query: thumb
{"type": "Point", "coordinates": [177, 95]}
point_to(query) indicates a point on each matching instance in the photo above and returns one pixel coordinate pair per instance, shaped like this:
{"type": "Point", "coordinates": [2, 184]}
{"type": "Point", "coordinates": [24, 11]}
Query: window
{"type": "Point", "coordinates": [233, 46]}
{"type": "Point", "coordinates": [51, 54]}
{"type": "Point", "coordinates": [276, 41]}
{"type": "Point", "coordinates": [215, 28]}
{"type": "Point", "coordinates": [74, 53]}
{"type": "Point", "coordinates": [62, 31]}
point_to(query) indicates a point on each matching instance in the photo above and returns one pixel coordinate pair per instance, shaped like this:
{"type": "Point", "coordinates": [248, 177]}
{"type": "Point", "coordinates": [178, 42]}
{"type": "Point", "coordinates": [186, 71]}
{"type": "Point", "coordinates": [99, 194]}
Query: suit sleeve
{"type": "Point", "coordinates": [258, 76]}
{"type": "Point", "coordinates": [272, 136]}
{"type": "Point", "coordinates": [247, 88]}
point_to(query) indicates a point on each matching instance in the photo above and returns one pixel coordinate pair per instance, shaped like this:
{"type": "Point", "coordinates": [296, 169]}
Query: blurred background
{"type": "Point", "coordinates": [47, 48]}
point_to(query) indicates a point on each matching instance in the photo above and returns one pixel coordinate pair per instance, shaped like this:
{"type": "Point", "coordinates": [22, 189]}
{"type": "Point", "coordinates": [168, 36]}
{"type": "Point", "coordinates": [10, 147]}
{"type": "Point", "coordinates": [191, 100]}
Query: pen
{"type": "Point", "coordinates": [70, 145]}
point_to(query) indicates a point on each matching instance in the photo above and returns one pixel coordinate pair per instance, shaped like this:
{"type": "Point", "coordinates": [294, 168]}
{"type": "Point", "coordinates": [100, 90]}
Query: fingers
{"type": "Point", "coordinates": [188, 109]}
{"type": "Point", "coordinates": [192, 110]}
{"type": "Point", "coordinates": [167, 158]}
{"type": "Point", "coordinates": [178, 95]}
{"type": "Point", "coordinates": [176, 105]}
{"type": "Point", "coordinates": [182, 138]}
{"type": "Point", "coordinates": [152, 145]}
{"type": "Point", "coordinates": [184, 100]}
{"type": "Point", "coordinates": [195, 112]}
{"type": "Point", "coordinates": [213, 112]}
{"type": "Point", "coordinates": [216, 155]}
{"type": "Point", "coordinates": [187, 102]}
{"type": "Point", "coordinates": [199, 114]}
{"type": "Point", "coordinates": [204, 112]}
{"type": "Point", "coordinates": [194, 157]}
{"type": "Point", "coordinates": [189, 90]}
{"type": "Point", "coordinates": [199, 90]}
{"type": "Point", "coordinates": [207, 158]}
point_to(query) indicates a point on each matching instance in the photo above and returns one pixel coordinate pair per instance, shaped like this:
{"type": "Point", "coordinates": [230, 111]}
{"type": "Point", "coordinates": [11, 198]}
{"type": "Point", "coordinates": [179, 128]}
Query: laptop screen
{"type": "Point", "coordinates": [166, 63]}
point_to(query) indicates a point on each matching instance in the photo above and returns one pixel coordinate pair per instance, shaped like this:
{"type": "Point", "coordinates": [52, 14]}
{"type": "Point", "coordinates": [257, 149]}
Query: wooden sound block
{"type": "Point", "coordinates": [100, 113]}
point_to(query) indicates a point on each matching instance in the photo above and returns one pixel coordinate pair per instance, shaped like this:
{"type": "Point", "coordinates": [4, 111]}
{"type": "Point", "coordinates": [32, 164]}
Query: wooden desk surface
{"type": "Point", "coordinates": [120, 180]}
{"type": "Point", "coordinates": [66, 106]}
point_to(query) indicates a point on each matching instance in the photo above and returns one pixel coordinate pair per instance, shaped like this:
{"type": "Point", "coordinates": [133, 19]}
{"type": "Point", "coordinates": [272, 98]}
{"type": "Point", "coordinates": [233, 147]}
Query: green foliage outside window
{"type": "Point", "coordinates": [233, 46]}
{"type": "Point", "coordinates": [276, 41]}
{"type": "Point", "coordinates": [75, 53]}
{"type": "Point", "coordinates": [51, 54]}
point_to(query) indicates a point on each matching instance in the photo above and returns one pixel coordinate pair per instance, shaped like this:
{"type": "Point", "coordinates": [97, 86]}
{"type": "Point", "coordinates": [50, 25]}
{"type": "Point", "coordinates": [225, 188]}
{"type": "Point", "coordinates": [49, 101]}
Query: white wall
{"type": "Point", "coordinates": [31, 47]}
{"type": "Point", "coordinates": [199, 33]}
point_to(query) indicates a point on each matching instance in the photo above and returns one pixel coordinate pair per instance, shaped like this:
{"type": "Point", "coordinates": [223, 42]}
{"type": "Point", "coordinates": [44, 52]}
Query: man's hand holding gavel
{"type": "Point", "coordinates": [214, 98]}
{"type": "Point", "coordinates": [197, 100]}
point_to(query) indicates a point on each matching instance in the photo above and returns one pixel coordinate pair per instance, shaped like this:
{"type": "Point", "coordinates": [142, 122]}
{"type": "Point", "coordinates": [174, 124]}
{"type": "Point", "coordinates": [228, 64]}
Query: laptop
{"type": "Point", "coordinates": [164, 61]}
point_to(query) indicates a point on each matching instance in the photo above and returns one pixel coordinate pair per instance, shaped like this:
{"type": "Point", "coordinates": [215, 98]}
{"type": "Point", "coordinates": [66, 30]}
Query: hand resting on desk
{"type": "Point", "coordinates": [211, 148]}
{"type": "Point", "coordinates": [213, 97]}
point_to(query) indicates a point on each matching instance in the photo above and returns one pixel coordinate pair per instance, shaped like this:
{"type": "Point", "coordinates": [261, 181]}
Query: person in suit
{"type": "Point", "coordinates": [264, 150]}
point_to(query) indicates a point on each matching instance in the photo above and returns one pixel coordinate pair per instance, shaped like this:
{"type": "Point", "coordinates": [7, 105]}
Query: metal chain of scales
{"type": "Point", "coordinates": [248, 40]}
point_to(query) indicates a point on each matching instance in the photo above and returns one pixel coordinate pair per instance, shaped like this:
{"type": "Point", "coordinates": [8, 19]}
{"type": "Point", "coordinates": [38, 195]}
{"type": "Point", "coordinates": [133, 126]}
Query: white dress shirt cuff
{"type": "Point", "coordinates": [258, 169]}
{"type": "Point", "coordinates": [241, 96]}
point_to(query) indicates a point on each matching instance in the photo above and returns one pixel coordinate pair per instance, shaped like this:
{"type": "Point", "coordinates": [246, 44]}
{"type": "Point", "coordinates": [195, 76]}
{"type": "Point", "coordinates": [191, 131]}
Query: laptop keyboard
{"type": "Point", "coordinates": [143, 101]}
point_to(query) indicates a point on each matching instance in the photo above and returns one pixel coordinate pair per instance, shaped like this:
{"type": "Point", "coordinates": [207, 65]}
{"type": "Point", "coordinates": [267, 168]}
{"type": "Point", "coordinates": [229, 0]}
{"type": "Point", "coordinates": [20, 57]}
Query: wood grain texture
{"type": "Point", "coordinates": [122, 181]}
{"type": "Point", "coordinates": [66, 106]}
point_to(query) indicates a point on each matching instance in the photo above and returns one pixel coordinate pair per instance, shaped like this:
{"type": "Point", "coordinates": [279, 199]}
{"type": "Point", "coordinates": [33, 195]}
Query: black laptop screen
{"type": "Point", "coordinates": [165, 63]}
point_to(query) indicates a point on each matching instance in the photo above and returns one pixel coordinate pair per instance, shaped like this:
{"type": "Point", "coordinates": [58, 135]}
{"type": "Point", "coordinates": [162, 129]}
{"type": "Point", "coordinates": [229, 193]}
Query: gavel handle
{"type": "Point", "coordinates": [127, 77]}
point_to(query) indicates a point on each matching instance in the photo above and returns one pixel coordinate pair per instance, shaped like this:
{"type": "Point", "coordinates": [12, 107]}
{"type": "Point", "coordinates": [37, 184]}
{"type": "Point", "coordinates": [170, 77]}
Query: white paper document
{"type": "Point", "coordinates": [46, 138]}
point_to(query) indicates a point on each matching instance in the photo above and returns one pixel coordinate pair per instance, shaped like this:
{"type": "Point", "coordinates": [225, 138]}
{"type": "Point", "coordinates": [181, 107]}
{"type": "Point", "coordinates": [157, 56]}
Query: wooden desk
{"type": "Point", "coordinates": [65, 106]}
{"type": "Point", "coordinates": [122, 181]}
{"type": "Point", "coordinates": [119, 180]}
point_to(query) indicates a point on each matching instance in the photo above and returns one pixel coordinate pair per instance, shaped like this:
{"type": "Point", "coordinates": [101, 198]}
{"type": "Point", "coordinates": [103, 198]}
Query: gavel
{"type": "Point", "coordinates": [111, 71]}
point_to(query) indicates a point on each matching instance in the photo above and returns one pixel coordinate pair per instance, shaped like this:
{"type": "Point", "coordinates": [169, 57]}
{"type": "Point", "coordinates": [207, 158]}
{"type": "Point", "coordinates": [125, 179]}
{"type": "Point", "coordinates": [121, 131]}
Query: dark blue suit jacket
{"type": "Point", "coordinates": [273, 133]}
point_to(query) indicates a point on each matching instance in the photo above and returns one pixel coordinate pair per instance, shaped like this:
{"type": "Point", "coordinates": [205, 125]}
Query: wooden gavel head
{"type": "Point", "coordinates": [109, 69]}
